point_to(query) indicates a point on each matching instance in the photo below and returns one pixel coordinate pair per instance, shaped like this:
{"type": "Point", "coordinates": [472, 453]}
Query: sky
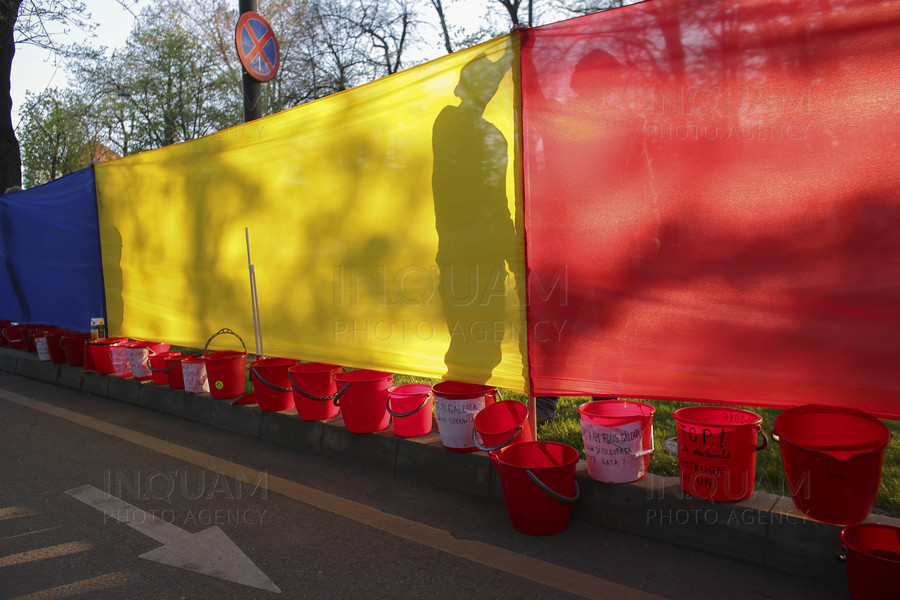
{"type": "Point", "coordinates": [35, 69]}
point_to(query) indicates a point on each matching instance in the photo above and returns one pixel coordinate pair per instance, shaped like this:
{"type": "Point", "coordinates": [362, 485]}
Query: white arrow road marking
{"type": "Point", "coordinates": [210, 551]}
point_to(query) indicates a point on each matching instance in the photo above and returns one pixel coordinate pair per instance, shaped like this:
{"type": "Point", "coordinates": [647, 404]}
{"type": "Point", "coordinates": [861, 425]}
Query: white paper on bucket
{"type": "Point", "coordinates": [614, 454]}
{"type": "Point", "coordinates": [456, 420]}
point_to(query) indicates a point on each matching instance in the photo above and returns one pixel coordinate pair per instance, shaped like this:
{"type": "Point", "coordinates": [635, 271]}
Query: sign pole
{"type": "Point", "coordinates": [252, 87]}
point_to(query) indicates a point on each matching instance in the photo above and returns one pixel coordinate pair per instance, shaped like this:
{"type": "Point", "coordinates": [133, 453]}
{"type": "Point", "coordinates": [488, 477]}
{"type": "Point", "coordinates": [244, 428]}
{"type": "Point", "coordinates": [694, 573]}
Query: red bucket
{"type": "Point", "coordinates": [832, 459]}
{"type": "Point", "coordinates": [29, 332]}
{"type": "Point", "coordinates": [175, 374]}
{"type": "Point", "coordinates": [226, 371]}
{"type": "Point", "coordinates": [159, 367]}
{"type": "Point", "coordinates": [455, 407]}
{"type": "Point", "coordinates": [618, 439]}
{"type": "Point", "coordinates": [3, 325]}
{"type": "Point", "coordinates": [717, 449]}
{"type": "Point", "coordinates": [539, 486]}
{"type": "Point", "coordinates": [15, 337]}
{"type": "Point", "coordinates": [314, 390]}
{"type": "Point", "coordinates": [73, 344]}
{"type": "Point", "coordinates": [872, 553]}
{"type": "Point", "coordinates": [501, 424]}
{"type": "Point", "coordinates": [410, 406]}
{"type": "Point", "coordinates": [100, 352]}
{"type": "Point", "coordinates": [55, 347]}
{"type": "Point", "coordinates": [271, 384]}
{"type": "Point", "coordinates": [363, 399]}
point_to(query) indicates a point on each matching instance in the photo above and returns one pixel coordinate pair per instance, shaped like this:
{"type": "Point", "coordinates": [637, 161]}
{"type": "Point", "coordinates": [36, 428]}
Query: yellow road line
{"type": "Point", "coordinates": [549, 574]}
{"type": "Point", "coordinates": [22, 558]}
{"type": "Point", "coordinates": [92, 584]}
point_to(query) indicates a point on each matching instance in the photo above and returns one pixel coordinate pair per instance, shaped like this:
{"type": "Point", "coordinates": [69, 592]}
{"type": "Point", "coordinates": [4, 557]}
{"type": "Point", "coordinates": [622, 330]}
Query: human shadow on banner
{"type": "Point", "coordinates": [476, 233]}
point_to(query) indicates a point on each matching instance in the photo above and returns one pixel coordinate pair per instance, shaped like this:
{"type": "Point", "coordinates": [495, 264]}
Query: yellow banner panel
{"type": "Point", "coordinates": [384, 228]}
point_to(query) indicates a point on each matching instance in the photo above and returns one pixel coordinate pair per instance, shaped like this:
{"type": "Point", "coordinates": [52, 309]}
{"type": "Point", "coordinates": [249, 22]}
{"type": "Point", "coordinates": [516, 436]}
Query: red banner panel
{"type": "Point", "coordinates": [713, 202]}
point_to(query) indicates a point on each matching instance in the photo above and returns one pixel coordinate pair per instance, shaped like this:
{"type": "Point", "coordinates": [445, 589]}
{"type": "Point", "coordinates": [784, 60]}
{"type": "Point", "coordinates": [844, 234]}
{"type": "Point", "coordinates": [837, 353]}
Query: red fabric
{"type": "Point", "coordinates": [713, 203]}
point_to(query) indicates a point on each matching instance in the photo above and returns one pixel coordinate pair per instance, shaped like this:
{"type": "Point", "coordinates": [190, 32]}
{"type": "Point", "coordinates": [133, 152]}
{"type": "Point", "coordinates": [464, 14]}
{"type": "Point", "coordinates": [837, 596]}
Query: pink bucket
{"type": "Point", "coordinates": [410, 406]}
{"type": "Point", "coordinates": [139, 353]}
{"type": "Point", "coordinates": [118, 354]}
{"type": "Point", "coordinates": [618, 439]}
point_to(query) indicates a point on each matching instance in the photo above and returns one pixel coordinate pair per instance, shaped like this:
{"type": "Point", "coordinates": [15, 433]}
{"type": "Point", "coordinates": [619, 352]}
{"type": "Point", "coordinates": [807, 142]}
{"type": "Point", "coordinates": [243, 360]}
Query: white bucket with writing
{"type": "Point", "coordinates": [455, 407]}
{"type": "Point", "coordinates": [118, 353]}
{"type": "Point", "coordinates": [195, 378]}
{"type": "Point", "coordinates": [43, 349]}
{"type": "Point", "coordinates": [618, 439]}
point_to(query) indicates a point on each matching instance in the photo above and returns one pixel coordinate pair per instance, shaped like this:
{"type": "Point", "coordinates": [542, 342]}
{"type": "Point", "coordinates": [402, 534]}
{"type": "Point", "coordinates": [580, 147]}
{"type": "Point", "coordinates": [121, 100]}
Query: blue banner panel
{"type": "Point", "coordinates": [50, 269]}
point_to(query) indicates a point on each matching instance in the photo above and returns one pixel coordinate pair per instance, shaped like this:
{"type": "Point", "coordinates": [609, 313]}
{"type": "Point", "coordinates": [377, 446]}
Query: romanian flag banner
{"type": "Point", "coordinates": [712, 203]}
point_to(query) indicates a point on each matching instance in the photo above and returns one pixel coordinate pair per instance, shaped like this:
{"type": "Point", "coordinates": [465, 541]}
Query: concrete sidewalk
{"type": "Point", "coordinates": [766, 530]}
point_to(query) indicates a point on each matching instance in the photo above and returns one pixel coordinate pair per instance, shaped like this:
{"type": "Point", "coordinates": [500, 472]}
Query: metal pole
{"type": "Point", "coordinates": [254, 301]}
{"type": "Point", "coordinates": [252, 87]}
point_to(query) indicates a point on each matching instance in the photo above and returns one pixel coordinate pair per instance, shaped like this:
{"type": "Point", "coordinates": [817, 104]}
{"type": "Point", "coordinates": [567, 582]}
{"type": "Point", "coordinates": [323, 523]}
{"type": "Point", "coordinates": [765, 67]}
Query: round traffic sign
{"type": "Point", "coordinates": [257, 46]}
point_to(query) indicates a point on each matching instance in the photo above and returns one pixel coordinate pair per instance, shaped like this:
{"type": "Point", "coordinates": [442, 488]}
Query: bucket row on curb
{"type": "Point", "coordinates": [832, 456]}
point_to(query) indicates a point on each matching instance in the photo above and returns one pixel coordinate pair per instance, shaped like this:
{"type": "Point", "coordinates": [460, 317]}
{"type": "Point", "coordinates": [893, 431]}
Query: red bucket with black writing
{"type": "Point", "coordinates": [717, 449]}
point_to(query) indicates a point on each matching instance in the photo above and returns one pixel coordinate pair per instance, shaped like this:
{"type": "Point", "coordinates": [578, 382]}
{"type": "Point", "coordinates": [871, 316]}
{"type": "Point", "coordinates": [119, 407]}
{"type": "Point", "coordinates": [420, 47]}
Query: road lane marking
{"type": "Point", "coordinates": [44, 553]}
{"type": "Point", "coordinates": [210, 551]}
{"type": "Point", "coordinates": [84, 586]}
{"type": "Point", "coordinates": [526, 567]}
{"type": "Point", "coordinates": [15, 512]}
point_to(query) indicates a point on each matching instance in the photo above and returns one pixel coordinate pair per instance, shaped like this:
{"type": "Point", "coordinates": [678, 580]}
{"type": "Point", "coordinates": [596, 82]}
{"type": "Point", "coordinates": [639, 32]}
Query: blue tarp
{"type": "Point", "coordinates": [50, 265]}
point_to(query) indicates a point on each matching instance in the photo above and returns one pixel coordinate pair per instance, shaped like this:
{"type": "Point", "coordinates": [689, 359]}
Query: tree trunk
{"type": "Point", "coordinates": [10, 158]}
{"type": "Point", "coordinates": [445, 32]}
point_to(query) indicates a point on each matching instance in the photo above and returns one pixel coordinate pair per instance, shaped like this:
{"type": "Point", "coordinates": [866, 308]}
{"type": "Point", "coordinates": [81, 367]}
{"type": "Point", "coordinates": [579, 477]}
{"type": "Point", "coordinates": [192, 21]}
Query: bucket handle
{"type": "Point", "coordinates": [497, 447]}
{"type": "Point", "coordinates": [765, 440]}
{"type": "Point", "coordinates": [554, 494]}
{"type": "Point", "coordinates": [310, 396]}
{"type": "Point", "coordinates": [268, 383]}
{"type": "Point", "coordinates": [340, 392]}
{"type": "Point", "coordinates": [164, 370]}
{"type": "Point", "coordinates": [220, 332]}
{"type": "Point", "coordinates": [428, 397]}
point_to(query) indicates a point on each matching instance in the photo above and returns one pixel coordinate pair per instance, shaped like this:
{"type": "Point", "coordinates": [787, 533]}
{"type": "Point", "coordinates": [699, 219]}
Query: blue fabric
{"type": "Point", "coordinates": [50, 265]}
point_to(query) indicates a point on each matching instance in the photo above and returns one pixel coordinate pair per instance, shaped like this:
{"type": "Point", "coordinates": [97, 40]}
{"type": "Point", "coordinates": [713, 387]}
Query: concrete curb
{"type": "Point", "coordinates": [765, 529]}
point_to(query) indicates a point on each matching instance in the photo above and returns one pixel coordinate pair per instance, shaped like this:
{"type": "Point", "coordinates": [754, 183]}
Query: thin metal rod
{"type": "Point", "coordinates": [254, 301]}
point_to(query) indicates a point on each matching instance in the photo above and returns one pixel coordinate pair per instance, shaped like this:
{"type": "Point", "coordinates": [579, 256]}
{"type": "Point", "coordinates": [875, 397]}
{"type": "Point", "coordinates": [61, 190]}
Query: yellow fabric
{"type": "Point", "coordinates": [339, 197]}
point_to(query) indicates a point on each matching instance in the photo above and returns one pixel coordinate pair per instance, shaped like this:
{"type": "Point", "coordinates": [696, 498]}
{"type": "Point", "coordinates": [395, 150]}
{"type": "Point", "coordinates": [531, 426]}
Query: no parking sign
{"type": "Point", "coordinates": [257, 46]}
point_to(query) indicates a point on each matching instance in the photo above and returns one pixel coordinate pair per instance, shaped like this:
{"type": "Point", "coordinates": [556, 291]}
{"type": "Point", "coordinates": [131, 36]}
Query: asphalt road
{"type": "Point", "coordinates": [102, 499]}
